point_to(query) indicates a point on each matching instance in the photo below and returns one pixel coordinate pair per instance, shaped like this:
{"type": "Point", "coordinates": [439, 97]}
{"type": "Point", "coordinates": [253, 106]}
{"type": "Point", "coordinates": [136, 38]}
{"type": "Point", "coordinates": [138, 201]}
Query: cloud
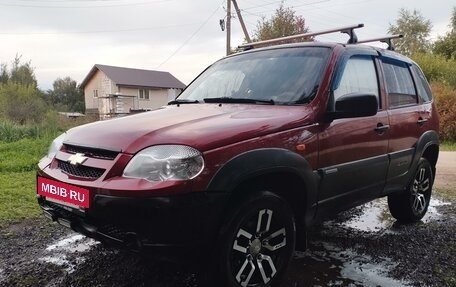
{"type": "Point", "coordinates": [181, 37]}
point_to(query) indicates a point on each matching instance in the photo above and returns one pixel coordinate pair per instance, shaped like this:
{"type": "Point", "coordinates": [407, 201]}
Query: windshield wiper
{"type": "Point", "coordinates": [229, 100]}
{"type": "Point", "coordinates": [182, 101]}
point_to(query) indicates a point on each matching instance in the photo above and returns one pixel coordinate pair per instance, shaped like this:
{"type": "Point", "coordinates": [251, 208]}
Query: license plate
{"type": "Point", "coordinates": [63, 192]}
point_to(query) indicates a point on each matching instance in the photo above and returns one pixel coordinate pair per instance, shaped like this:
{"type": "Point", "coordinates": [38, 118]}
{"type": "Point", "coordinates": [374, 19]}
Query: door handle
{"type": "Point", "coordinates": [381, 128]}
{"type": "Point", "coordinates": [421, 121]}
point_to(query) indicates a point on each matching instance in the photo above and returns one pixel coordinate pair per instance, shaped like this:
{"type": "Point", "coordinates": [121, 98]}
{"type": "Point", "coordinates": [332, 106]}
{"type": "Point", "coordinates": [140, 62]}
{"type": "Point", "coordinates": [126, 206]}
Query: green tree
{"type": "Point", "coordinates": [4, 74]}
{"type": "Point", "coordinates": [20, 99]}
{"type": "Point", "coordinates": [23, 73]}
{"type": "Point", "coordinates": [283, 23]}
{"type": "Point", "coordinates": [416, 30]}
{"type": "Point", "coordinates": [446, 46]}
{"type": "Point", "coordinates": [21, 103]}
{"type": "Point", "coordinates": [66, 95]}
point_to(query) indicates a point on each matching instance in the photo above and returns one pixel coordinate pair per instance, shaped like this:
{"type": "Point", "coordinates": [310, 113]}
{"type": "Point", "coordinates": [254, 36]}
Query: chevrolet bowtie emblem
{"type": "Point", "coordinates": [77, 158]}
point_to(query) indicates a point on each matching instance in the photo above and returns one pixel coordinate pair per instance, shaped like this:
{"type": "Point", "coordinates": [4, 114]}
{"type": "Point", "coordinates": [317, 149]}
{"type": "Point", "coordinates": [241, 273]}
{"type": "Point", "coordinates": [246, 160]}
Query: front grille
{"type": "Point", "coordinates": [92, 152]}
{"type": "Point", "coordinates": [80, 170]}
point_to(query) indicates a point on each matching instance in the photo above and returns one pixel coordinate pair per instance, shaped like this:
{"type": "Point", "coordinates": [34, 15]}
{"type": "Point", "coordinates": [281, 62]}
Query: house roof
{"type": "Point", "coordinates": [136, 77]}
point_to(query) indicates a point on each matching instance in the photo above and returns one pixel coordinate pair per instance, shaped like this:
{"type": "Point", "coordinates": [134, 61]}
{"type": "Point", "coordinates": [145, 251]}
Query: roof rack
{"type": "Point", "coordinates": [386, 39]}
{"type": "Point", "coordinates": [347, 30]}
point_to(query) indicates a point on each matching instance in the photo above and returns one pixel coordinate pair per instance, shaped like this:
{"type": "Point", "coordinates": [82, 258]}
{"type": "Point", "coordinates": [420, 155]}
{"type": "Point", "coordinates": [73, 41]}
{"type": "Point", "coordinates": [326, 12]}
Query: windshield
{"type": "Point", "coordinates": [280, 76]}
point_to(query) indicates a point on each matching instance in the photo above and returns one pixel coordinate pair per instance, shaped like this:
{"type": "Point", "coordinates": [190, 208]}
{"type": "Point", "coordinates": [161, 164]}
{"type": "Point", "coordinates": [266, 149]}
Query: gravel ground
{"type": "Point", "coordinates": [362, 247]}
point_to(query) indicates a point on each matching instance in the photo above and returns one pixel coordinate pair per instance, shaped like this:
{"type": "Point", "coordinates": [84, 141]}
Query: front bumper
{"type": "Point", "coordinates": [163, 225]}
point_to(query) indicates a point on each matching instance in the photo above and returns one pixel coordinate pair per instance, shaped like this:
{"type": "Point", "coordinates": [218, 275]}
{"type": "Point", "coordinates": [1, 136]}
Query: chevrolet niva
{"type": "Point", "coordinates": [259, 147]}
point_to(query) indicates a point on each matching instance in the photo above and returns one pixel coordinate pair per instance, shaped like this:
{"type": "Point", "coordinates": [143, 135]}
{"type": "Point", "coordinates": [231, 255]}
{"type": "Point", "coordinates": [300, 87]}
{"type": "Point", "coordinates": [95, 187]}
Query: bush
{"type": "Point", "coordinates": [445, 97]}
{"type": "Point", "coordinates": [51, 126]}
{"type": "Point", "coordinates": [437, 68]}
{"type": "Point", "coordinates": [21, 104]}
{"type": "Point", "coordinates": [11, 132]}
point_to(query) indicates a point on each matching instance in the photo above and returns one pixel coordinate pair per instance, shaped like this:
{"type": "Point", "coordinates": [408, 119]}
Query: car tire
{"type": "Point", "coordinates": [256, 243]}
{"type": "Point", "coordinates": [412, 204]}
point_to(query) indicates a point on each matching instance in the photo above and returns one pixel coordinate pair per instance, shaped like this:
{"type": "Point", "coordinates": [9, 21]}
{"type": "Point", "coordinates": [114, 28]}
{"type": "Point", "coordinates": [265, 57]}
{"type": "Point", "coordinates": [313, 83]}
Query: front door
{"type": "Point", "coordinates": [353, 157]}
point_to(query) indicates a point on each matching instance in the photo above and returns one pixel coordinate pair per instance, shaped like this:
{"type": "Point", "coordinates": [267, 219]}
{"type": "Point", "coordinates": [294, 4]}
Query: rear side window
{"type": "Point", "coordinates": [399, 82]}
{"type": "Point", "coordinates": [359, 76]}
{"type": "Point", "coordinates": [424, 92]}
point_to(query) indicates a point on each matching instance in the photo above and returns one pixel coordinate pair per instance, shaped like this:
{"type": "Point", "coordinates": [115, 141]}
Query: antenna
{"type": "Point", "coordinates": [348, 30]}
{"type": "Point", "coordinates": [386, 39]}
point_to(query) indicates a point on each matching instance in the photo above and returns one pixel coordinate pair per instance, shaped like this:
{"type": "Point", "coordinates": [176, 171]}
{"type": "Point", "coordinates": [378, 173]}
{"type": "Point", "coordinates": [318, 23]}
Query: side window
{"type": "Point", "coordinates": [424, 92]}
{"type": "Point", "coordinates": [143, 94]}
{"type": "Point", "coordinates": [359, 76]}
{"type": "Point", "coordinates": [399, 82]}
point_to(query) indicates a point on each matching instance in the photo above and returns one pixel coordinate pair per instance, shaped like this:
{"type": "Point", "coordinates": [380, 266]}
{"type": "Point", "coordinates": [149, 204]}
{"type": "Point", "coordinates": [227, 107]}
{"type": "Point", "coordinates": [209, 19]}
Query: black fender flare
{"type": "Point", "coordinates": [260, 162]}
{"type": "Point", "coordinates": [427, 139]}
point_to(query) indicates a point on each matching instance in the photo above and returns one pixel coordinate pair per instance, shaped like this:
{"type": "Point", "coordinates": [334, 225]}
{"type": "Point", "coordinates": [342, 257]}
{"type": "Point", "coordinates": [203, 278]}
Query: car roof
{"type": "Point", "coordinates": [382, 52]}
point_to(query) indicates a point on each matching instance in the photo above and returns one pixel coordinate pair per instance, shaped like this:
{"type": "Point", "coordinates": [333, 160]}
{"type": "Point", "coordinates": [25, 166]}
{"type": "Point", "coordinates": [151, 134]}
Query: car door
{"type": "Point", "coordinates": [353, 157]}
{"type": "Point", "coordinates": [407, 119]}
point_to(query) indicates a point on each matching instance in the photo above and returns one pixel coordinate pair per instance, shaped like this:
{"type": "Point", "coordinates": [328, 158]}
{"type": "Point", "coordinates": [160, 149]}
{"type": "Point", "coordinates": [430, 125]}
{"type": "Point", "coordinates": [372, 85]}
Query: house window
{"type": "Point", "coordinates": [143, 94]}
{"type": "Point", "coordinates": [95, 93]}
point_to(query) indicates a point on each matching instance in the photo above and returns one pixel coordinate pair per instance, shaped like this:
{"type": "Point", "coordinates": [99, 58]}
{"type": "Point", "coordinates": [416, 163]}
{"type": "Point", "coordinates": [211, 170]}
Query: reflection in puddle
{"type": "Point", "coordinates": [375, 216]}
{"type": "Point", "coordinates": [328, 265]}
{"type": "Point", "coordinates": [2, 276]}
{"type": "Point", "coordinates": [363, 270]}
{"type": "Point", "coordinates": [65, 252]}
{"type": "Point", "coordinates": [325, 264]}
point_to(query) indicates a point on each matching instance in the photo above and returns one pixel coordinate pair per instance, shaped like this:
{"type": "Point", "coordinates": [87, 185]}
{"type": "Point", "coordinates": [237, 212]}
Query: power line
{"type": "Point", "coordinates": [189, 38]}
{"type": "Point", "coordinates": [83, 7]}
{"type": "Point", "coordinates": [97, 31]}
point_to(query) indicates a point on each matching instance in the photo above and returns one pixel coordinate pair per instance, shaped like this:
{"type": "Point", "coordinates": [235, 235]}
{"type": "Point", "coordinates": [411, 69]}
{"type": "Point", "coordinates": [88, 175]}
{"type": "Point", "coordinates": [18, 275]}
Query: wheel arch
{"type": "Point", "coordinates": [280, 171]}
{"type": "Point", "coordinates": [427, 147]}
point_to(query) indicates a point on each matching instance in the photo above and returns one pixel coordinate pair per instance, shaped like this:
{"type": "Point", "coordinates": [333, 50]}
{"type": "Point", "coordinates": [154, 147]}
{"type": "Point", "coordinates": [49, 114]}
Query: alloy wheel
{"type": "Point", "coordinates": [258, 248]}
{"type": "Point", "coordinates": [420, 188]}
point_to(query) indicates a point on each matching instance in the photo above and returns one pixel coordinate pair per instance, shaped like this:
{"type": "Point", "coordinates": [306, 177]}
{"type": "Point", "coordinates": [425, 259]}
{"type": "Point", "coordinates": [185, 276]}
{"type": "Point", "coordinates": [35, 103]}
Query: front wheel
{"type": "Point", "coordinates": [258, 242]}
{"type": "Point", "coordinates": [411, 205]}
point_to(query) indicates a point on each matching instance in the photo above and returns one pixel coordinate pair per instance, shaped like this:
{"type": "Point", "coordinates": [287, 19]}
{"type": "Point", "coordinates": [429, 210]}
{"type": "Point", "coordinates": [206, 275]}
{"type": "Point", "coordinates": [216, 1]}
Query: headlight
{"type": "Point", "coordinates": [56, 145]}
{"type": "Point", "coordinates": [165, 162]}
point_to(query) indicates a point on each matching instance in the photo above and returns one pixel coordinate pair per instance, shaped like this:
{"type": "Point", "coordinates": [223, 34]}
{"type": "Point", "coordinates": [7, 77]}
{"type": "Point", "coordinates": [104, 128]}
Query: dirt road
{"type": "Point", "coordinates": [446, 170]}
{"type": "Point", "coordinates": [362, 247]}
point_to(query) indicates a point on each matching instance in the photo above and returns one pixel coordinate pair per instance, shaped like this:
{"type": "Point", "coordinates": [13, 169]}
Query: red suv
{"type": "Point", "coordinates": [260, 146]}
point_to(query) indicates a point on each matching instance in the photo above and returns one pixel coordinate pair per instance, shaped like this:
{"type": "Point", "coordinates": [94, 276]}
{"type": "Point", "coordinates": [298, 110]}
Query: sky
{"type": "Point", "coordinates": [67, 37]}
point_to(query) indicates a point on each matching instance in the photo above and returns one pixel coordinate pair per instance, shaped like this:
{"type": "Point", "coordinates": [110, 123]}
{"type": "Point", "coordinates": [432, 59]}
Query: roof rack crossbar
{"type": "Point", "coordinates": [348, 30]}
{"type": "Point", "coordinates": [386, 39]}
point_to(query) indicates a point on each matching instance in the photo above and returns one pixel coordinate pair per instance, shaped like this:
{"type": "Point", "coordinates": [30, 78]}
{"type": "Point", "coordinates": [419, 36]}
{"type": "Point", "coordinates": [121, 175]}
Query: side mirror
{"type": "Point", "coordinates": [354, 105]}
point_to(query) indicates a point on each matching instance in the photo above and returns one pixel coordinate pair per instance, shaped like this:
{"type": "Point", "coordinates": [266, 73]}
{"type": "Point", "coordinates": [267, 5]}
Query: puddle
{"type": "Point", "coordinates": [375, 216]}
{"type": "Point", "coordinates": [360, 269]}
{"type": "Point", "coordinates": [2, 276]}
{"type": "Point", "coordinates": [328, 265]}
{"type": "Point", "coordinates": [67, 252]}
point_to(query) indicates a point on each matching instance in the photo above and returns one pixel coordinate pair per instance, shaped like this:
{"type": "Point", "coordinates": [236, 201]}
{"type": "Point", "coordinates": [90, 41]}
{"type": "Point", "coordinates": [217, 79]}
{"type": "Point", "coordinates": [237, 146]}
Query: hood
{"type": "Point", "coordinates": [202, 126]}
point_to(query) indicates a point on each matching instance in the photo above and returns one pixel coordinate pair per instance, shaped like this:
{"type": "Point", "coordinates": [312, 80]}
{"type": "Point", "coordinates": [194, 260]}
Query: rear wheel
{"type": "Point", "coordinates": [258, 242]}
{"type": "Point", "coordinates": [412, 205]}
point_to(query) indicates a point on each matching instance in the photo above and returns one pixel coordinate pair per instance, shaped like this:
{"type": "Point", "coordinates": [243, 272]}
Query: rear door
{"type": "Point", "coordinates": [353, 157]}
{"type": "Point", "coordinates": [406, 119]}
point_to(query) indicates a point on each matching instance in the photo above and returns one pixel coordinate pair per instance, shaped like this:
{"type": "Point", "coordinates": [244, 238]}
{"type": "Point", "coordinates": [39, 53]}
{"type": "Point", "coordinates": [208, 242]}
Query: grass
{"type": "Point", "coordinates": [21, 147]}
{"type": "Point", "coordinates": [447, 193]}
{"type": "Point", "coordinates": [18, 197]}
{"type": "Point", "coordinates": [18, 162]}
{"type": "Point", "coordinates": [448, 146]}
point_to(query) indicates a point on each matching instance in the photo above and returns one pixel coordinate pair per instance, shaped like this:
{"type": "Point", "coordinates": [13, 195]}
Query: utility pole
{"type": "Point", "coordinates": [228, 27]}
{"type": "Point", "coordinates": [238, 12]}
